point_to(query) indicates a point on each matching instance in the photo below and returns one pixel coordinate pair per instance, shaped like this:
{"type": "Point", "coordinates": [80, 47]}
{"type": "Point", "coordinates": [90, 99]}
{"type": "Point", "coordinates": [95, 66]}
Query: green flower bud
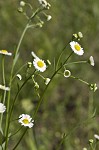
{"type": "Point", "coordinates": [20, 10]}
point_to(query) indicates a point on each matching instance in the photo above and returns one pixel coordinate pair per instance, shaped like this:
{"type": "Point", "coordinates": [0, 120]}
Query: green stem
{"type": "Point", "coordinates": [95, 147]}
{"type": "Point", "coordinates": [90, 110]}
{"type": "Point", "coordinates": [61, 55]}
{"type": "Point", "coordinates": [3, 70]}
{"type": "Point", "coordinates": [19, 71]}
{"type": "Point", "coordinates": [20, 139]}
{"type": "Point", "coordinates": [91, 146]}
{"type": "Point", "coordinates": [18, 94]}
{"type": "Point", "coordinates": [17, 50]}
{"type": "Point", "coordinates": [10, 112]}
{"type": "Point", "coordinates": [78, 62]}
{"type": "Point", "coordinates": [21, 38]}
{"type": "Point", "coordinates": [41, 98]}
{"type": "Point", "coordinates": [36, 12]}
{"type": "Point", "coordinates": [15, 132]}
{"type": "Point", "coordinates": [8, 101]}
{"type": "Point", "coordinates": [79, 80]}
{"type": "Point", "coordinates": [4, 96]}
{"type": "Point", "coordinates": [72, 131]}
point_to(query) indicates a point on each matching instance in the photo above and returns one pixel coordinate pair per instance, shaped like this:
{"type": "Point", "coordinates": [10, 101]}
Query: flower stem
{"type": "Point", "coordinates": [4, 96]}
{"type": "Point", "coordinates": [18, 93]}
{"type": "Point", "coordinates": [20, 139]}
{"type": "Point", "coordinates": [41, 98]}
{"type": "Point", "coordinates": [61, 55]}
{"type": "Point", "coordinates": [19, 71]}
{"type": "Point", "coordinates": [8, 101]}
{"type": "Point", "coordinates": [77, 62]}
{"type": "Point", "coordinates": [3, 70]}
{"type": "Point", "coordinates": [16, 132]}
{"type": "Point", "coordinates": [11, 76]}
{"type": "Point", "coordinates": [72, 130]}
{"type": "Point", "coordinates": [79, 80]}
{"type": "Point", "coordinates": [90, 109]}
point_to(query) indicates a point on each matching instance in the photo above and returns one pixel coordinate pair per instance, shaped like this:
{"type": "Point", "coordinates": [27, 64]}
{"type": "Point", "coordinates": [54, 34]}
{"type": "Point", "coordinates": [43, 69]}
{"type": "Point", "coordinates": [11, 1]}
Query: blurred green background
{"type": "Point", "coordinates": [67, 102]}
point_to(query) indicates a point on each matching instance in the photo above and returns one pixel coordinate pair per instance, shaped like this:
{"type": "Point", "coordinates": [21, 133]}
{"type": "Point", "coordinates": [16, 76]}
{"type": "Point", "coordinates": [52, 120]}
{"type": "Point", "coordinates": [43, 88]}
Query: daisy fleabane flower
{"type": "Point", "coordinates": [2, 108]}
{"type": "Point", "coordinates": [75, 46]}
{"type": "Point", "coordinates": [5, 52]}
{"type": "Point", "coordinates": [39, 64]}
{"type": "Point", "coordinates": [26, 120]}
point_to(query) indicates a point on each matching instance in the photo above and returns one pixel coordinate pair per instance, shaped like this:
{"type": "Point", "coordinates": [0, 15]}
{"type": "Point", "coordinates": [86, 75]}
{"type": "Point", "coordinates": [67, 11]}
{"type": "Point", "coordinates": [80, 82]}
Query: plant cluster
{"type": "Point", "coordinates": [34, 69]}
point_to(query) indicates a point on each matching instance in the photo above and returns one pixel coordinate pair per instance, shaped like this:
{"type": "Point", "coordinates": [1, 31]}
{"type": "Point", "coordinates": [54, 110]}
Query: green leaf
{"type": "Point", "coordinates": [15, 59]}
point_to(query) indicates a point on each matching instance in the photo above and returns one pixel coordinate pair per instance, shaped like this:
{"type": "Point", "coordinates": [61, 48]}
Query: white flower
{"type": "Point", "coordinates": [19, 76]}
{"type": "Point", "coordinates": [3, 87]}
{"type": "Point", "coordinates": [67, 73]}
{"type": "Point", "coordinates": [96, 136]}
{"type": "Point", "coordinates": [5, 52]}
{"type": "Point", "coordinates": [76, 48]}
{"type": "Point", "coordinates": [2, 108]}
{"type": "Point", "coordinates": [26, 120]}
{"type": "Point", "coordinates": [44, 4]}
{"type": "Point", "coordinates": [91, 61]}
{"type": "Point", "coordinates": [49, 18]}
{"type": "Point", "coordinates": [47, 80]}
{"type": "Point", "coordinates": [39, 64]}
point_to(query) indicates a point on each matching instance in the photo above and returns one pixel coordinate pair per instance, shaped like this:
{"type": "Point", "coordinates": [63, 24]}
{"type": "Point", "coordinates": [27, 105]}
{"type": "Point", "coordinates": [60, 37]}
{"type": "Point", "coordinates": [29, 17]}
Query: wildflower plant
{"type": "Point", "coordinates": [39, 67]}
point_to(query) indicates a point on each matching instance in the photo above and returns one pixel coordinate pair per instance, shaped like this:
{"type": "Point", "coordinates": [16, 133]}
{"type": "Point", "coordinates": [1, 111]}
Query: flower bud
{"type": "Point", "coordinates": [90, 141]}
{"type": "Point", "coordinates": [91, 61]}
{"type": "Point", "coordinates": [80, 35]}
{"type": "Point", "coordinates": [49, 18]}
{"type": "Point", "coordinates": [20, 10]}
{"type": "Point", "coordinates": [22, 3]}
{"type": "Point", "coordinates": [29, 64]}
{"type": "Point", "coordinates": [36, 86]}
{"type": "Point", "coordinates": [47, 80]}
{"type": "Point", "coordinates": [93, 87]}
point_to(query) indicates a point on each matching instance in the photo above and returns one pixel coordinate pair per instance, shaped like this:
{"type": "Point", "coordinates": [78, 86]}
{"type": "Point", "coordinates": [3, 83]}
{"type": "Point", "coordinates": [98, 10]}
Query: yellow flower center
{"type": "Point", "coordinates": [4, 51]}
{"type": "Point", "coordinates": [77, 47]}
{"type": "Point", "coordinates": [25, 121]}
{"type": "Point", "coordinates": [40, 63]}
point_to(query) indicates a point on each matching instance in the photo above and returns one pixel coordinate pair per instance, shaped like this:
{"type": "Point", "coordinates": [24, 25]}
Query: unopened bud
{"type": "Point", "coordinates": [22, 3]}
{"type": "Point", "coordinates": [80, 34]}
{"type": "Point", "coordinates": [29, 64]}
{"type": "Point", "coordinates": [20, 10]}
